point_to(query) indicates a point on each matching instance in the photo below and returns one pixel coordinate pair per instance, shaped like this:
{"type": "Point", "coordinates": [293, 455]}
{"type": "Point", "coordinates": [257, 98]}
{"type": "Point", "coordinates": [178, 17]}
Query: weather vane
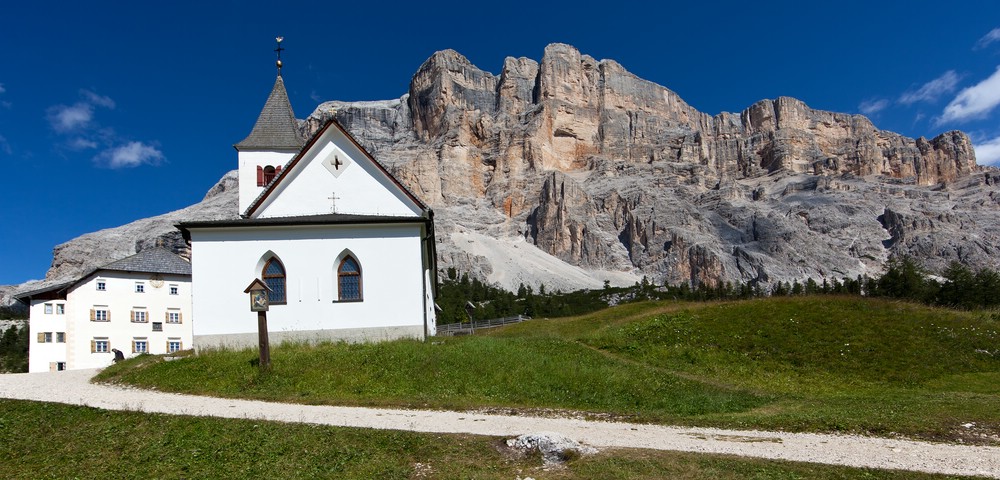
{"type": "Point", "coordinates": [278, 51]}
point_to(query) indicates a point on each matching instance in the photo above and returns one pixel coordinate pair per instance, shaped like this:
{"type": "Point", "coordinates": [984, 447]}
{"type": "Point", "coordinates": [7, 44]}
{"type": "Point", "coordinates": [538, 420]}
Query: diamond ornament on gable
{"type": "Point", "coordinates": [336, 162]}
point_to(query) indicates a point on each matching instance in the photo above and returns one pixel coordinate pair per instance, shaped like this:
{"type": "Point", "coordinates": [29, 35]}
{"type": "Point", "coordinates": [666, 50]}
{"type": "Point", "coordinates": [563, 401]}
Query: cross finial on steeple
{"type": "Point", "coordinates": [278, 51]}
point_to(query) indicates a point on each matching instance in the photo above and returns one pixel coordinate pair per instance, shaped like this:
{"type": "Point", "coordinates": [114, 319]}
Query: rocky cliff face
{"type": "Point", "coordinates": [605, 175]}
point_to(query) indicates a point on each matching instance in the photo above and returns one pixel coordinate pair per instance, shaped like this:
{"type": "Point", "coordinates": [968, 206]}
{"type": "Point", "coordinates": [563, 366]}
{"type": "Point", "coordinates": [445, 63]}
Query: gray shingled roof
{"type": "Point", "coordinates": [55, 287]}
{"type": "Point", "coordinates": [153, 260]}
{"type": "Point", "coordinates": [276, 126]}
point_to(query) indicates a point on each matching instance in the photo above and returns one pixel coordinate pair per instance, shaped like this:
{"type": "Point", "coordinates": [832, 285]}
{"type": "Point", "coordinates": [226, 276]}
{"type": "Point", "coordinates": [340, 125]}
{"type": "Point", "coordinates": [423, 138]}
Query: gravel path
{"type": "Point", "coordinates": [73, 387]}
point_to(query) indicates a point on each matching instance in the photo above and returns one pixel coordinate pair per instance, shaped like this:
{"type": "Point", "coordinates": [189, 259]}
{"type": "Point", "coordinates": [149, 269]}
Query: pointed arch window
{"type": "Point", "coordinates": [273, 276]}
{"type": "Point", "coordinates": [349, 280]}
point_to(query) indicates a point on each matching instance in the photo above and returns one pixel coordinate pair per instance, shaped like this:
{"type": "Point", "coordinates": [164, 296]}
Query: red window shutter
{"type": "Point", "coordinates": [277, 171]}
{"type": "Point", "coordinates": [260, 176]}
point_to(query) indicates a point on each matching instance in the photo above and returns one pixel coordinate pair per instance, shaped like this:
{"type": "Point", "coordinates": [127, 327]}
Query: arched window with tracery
{"type": "Point", "coordinates": [349, 280]}
{"type": "Point", "coordinates": [273, 275]}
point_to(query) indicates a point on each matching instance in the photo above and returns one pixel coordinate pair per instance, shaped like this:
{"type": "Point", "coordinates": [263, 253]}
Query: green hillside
{"type": "Point", "coordinates": [820, 363]}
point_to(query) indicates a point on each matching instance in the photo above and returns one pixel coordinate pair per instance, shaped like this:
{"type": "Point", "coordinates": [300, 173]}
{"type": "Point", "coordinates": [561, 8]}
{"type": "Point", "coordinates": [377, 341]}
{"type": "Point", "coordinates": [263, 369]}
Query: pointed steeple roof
{"type": "Point", "coordinates": [276, 126]}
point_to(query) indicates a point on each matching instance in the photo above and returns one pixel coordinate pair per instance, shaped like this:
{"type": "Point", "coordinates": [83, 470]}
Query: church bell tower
{"type": "Point", "coordinates": [272, 143]}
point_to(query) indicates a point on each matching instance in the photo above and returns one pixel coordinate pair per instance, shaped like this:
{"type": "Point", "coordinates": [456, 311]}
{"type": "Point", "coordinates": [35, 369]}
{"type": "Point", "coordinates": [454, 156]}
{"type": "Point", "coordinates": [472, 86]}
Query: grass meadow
{"type": "Point", "coordinates": [44, 440]}
{"type": "Point", "coordinates": [817, 364]}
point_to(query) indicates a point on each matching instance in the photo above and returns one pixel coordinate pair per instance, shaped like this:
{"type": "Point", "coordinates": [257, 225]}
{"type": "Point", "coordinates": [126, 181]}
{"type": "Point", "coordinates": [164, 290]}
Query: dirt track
{"type": "Point", "coordinates": [73, 387]}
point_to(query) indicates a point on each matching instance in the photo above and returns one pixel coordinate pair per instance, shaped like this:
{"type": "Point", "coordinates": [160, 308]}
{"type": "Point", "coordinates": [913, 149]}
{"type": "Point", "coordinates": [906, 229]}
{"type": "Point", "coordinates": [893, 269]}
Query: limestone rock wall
{"type": "Point", "coordinates": [618, 176]}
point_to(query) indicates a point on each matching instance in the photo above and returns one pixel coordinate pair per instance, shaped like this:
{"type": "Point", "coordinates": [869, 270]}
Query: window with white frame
{"type": "Point", "coordinates": [102, 285]}
{"type": "Point", "coordinates": [140, 287]}
{"type": "Point", "coordinates": [173, 345]}
{"type": "Point", "coordinates": [48, 309]}
{"type": "Point", "coordinates": [174, 289]}
{"type": "Point", "coordinates": [173, 316]}
{"type": "Point", "coordinates": [100, 345]}
{"type": "Point", "coordinates": [60, 309]}
{"type": "Point", "coordinates": [60, 337]}
{"type": "Point", "coordinates": [100, 313]}
{"type": "Point", "coordinates": [140, 345]}
{"type": "Point", "coordinates": [139, 315]}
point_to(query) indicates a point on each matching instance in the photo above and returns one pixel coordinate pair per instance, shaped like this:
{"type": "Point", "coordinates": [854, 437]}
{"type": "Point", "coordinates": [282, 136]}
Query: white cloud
{"type": "Point", "coordinates": [988, 152]}
{"type": "Point", "coordinates": [931, 90]}
{"type": "Point", "coordinates": [315, 97]}
{"type": "Point", "coordinates": [987, 39]}
{"type": "Point", "coordinates": [973, 102]}
{"type": "Point", "coordinates": [132, 154]}
{"type": "Point", "coordinates": [64, 119]}
{"type": "Point", "coordinates": [2, 89]}
{"type": "Point", "coordinates": [5, 146]}
{"type": "Point", "coordinates": [80, 143]}
{"type": "Point", "coordinates": [871, 107]}
{"type": "Point", "coordinates": [99, 100]}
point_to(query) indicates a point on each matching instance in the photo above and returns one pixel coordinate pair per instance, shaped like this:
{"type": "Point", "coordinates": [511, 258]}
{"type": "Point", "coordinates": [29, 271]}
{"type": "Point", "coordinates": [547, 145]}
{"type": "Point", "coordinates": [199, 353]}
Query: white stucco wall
{"type": "Point", "coordinates": [359, 186]}
{"type": "Point", "coordinates": [120, 298]}
{"type": "Point", "coordinates": [248, 162]}
{"type": "Point", "coordinates": [40, 355]}
{"type": "Point", "coordinates": [226, 260]}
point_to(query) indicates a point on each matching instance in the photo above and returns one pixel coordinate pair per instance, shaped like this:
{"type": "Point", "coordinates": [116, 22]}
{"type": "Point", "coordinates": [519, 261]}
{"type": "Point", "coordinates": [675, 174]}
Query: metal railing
{"type": "Point", "coordinates": [470, 328]}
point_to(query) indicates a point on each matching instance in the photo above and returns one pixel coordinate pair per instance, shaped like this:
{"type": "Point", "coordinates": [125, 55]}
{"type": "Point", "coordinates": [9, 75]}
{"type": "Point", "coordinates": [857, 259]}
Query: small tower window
{"type": "Point", "coordinates": [267, 174]}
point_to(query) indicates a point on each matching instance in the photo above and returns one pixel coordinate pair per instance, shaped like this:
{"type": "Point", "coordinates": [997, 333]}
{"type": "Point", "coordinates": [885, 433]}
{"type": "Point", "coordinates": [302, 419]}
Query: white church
{"type": "Point", "coordinates": [347, 251]}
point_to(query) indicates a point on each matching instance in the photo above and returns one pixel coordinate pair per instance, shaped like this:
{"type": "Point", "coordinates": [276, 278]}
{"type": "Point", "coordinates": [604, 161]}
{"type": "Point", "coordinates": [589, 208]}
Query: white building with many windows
{"type": "Point", "coordinates": [346, 249]}
{"type": "Point", "coordinates": [139, 304]}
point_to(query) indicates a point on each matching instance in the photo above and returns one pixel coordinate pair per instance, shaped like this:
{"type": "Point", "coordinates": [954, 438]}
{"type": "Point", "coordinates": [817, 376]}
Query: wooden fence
{"type": "Point", "coordinates": [452, 329]}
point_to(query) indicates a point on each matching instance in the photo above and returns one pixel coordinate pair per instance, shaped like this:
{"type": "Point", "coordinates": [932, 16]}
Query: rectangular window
{"type": "Point", "coordinates": [60, 309]}
{"type": "Point", "coordinates": [60, 337]}
{"type": "Point", "coordinates": [100, 345]}
{"type": "Point", "coordinates": [157, 326]}
{"type": "Point", "coordinates": [48, 309]}
{"type": "Point", "coordinates": [102, 285]}
{"type": "Point", "coordinates": [100, 314]}
{"type": "Point", "coordinates": [173, 316]}
{"type": "Point", "coordinates": [139, 345]}
{"type": "Point", "coordinates": [173, 345]}
{"type": "Point", "coordinates": [140, 287]}
{"type": "Point", "coordinates": [174, 289]}
{"type": "Point", "coordinates": [60, 366]}
{"type": "Point", "coordinates": [48, 337]}
{"type": "Point", "coordinates": [139, 316]}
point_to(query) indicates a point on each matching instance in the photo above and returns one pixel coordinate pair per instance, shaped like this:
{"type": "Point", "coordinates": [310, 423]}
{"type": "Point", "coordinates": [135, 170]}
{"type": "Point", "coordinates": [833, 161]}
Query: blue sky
{"type": "Point", "coordinates": [115, 111]}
